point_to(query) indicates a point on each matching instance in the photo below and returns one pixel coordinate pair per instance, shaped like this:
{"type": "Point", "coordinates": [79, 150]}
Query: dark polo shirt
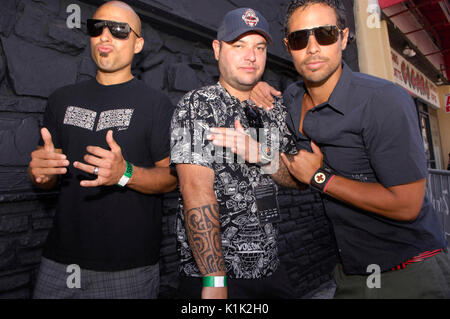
{"type": "Point", "coordinates": [368, 131]}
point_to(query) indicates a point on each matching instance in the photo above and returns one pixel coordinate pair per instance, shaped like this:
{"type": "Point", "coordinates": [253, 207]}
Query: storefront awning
{"type": "Point", "coordinates": [434, 18]}
{"type": "Point", "coordinates": [389, 3]}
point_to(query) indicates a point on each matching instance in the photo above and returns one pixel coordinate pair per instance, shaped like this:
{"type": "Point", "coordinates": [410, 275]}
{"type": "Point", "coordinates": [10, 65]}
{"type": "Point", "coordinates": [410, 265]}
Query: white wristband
{"type": "Point", "coordinates": [123, 181]}
{"type": "Point", "coordinates": [126, 176]}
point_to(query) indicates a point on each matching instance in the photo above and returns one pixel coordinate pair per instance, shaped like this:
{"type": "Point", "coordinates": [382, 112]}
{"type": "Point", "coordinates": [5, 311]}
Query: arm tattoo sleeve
{"type": "Point", "coordinates": [203, 231]}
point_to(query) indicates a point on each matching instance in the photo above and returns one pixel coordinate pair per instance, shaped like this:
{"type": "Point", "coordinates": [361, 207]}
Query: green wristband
{"type": "Point", "coordinates": [215, 281]}
{"type": "Point", "coordinates": [126, 176]}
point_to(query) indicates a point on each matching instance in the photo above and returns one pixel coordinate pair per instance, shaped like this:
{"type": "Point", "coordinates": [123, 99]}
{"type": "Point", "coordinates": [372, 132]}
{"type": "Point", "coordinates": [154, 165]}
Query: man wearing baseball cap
{"type": "Point", "coordinates": [227, 217]}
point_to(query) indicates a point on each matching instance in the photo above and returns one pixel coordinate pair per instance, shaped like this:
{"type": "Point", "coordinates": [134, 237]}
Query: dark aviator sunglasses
{"type": "Point", "coordinates": [119, 30]}
{"type": "Point", "coordinates": [325, 35]}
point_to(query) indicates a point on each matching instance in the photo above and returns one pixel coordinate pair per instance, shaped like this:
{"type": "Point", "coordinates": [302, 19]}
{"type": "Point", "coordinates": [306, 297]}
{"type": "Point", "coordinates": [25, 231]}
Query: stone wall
{"type": "Point", "coordinates": [39, 53]}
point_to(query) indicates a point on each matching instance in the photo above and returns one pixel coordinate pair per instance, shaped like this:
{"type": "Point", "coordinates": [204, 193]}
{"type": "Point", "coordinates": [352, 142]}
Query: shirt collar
{"type": "Point", "coordinates": [339, 97]}
{"type": "Point", "coordinates": [222, 90]}
{"type": "Point", "coordinates": [227, 95]}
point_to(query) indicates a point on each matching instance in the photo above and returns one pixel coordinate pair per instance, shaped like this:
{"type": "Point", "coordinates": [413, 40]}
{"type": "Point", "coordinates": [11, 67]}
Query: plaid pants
{"type": "Point", "coordinates": [54, 281]}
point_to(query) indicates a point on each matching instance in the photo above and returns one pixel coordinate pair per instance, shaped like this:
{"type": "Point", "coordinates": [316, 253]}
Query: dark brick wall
{"type": "Point", "coordinates": [24, 227]}
{"type": "Point", "coordinates": [38, 54]}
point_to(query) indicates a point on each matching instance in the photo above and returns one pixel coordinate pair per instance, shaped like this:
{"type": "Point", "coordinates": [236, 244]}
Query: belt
{"type": "Point", "coordinates": [418, 258]}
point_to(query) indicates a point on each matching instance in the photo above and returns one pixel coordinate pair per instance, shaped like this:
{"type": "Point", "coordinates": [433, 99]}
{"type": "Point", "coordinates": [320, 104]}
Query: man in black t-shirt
{"type": "Point", "coordinates": [115, 130]}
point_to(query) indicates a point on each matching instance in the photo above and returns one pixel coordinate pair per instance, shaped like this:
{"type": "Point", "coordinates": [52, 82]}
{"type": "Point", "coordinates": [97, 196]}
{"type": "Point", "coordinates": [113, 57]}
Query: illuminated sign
{"type": "Point", "coordinates": [408, 77]}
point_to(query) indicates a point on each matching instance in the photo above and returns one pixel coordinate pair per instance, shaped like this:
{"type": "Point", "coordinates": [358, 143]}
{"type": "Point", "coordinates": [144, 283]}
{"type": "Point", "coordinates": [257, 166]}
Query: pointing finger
{"type": "Point", "coordinates": [99, 152]}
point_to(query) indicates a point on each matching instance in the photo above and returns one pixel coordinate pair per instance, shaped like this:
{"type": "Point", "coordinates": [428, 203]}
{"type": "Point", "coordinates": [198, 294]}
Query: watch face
{"type": "Point", "coordinates": [319, 178]}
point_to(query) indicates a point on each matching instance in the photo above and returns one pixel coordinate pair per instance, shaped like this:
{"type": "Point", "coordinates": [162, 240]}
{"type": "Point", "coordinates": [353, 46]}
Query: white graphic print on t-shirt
{"type": "Point", "coordinates": [85, 118]}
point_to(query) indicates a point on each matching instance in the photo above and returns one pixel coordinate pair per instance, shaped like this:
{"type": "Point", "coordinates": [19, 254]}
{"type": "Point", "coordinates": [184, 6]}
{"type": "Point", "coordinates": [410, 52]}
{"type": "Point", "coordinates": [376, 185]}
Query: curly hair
{"type": "Point", "coordinates": [337, 5]}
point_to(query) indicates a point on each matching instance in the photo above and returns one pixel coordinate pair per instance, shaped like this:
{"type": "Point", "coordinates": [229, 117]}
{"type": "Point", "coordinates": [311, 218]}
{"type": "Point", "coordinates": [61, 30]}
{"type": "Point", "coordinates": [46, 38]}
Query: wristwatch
{"type": "Point", "coordinates": [321, 178]}
{"type": "Point", "coordinates": [265, 154]}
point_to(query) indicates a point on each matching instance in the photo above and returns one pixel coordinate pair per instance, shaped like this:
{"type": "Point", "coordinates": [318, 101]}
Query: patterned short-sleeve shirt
{"type": "Point", "coordinates": [249, 248]}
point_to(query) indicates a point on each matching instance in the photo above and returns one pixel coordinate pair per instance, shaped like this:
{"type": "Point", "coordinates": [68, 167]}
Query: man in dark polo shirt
{"type": "Point", "coordinates": [360, 145]}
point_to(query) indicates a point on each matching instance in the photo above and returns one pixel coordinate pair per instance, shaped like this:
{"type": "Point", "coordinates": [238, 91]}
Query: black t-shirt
{"type": "Point", "coordinates": [107, 228]}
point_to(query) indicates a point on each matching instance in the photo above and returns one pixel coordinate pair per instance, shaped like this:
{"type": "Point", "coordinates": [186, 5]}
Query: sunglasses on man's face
{"type": "Point", "coordinates": [325, 35]}
{"type": "Point", "coordinates": [119, 30]}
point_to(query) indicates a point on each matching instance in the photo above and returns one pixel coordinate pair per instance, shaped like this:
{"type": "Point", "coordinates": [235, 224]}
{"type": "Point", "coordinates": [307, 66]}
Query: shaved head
{"type": "Point", "coordinates": [121, 12]}
{"type": "Point", "coordinates": [113, 55]}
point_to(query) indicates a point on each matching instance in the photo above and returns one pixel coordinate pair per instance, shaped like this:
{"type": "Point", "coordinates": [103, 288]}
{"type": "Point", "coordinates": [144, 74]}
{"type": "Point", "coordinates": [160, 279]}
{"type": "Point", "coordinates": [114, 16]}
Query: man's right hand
{"type": "Point", "coordinates": [47, 162]}
{"type": "Point", "coordinates": [214, 293]}
{"type": "Point", "coordinates": [262, 95]}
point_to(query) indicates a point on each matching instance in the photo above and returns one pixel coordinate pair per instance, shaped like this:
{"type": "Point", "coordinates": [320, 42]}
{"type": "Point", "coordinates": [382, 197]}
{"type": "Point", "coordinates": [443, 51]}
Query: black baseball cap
{"type": "Point", "coordinates": [240, 21]}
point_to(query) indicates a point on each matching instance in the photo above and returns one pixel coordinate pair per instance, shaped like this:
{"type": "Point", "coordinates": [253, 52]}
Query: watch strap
{"type": "Point", "coordinates": [321, 178]}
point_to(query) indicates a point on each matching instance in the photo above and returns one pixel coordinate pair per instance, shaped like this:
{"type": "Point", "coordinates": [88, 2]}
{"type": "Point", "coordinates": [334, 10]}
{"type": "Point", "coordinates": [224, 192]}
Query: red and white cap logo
{"type": "Point", "coordinates": [250, 18]}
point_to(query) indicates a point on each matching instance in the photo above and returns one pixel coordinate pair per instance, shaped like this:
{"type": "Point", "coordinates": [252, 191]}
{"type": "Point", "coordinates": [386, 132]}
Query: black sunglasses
{"type": "Point", "coordinates": [119, 30]}
{"type": "Point", "coordinates": [325, 35]}
{"type": "Point", "coordinates": [253, 117]}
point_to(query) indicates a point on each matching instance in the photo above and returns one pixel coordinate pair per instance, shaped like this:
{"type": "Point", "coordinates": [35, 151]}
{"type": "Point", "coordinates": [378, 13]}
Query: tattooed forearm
{"type": "Point", "coordinates": [284, 178]}
{"type": "Point", "coordinates": [203, 231]}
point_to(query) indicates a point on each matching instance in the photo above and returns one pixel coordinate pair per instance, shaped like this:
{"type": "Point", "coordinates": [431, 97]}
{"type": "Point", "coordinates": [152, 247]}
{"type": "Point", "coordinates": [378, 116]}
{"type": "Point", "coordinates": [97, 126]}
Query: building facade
{"type": "Point", "coordinates": [407, 42]}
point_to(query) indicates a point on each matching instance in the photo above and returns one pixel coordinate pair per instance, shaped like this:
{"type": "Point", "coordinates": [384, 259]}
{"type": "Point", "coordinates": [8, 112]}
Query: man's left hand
{"type": "Point", "coordinates": [110, 164]}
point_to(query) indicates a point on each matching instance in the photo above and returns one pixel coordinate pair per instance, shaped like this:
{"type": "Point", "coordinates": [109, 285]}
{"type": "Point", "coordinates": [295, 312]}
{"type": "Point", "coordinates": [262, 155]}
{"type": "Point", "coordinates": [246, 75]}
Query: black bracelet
{"type": "Point", "coordinates": [321, 178]}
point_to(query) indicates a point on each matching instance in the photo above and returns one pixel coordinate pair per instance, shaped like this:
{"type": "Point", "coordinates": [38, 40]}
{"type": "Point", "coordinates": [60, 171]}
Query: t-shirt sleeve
{"type": "Point", "coordinates": [50, 122]}
{"type": "Point", "coordinates": [392, 137]}
{"type": "Point", "coordinates": [191, 121]}
{"type": "Point", "coordinates": [160, 133]}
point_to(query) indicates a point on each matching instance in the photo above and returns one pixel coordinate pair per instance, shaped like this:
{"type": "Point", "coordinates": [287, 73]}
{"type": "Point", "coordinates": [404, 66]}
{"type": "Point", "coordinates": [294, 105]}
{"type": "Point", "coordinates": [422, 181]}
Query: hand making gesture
{"type": "Point", "coordinates": [108, 165]}
{"type": "Point", "coordinates": [237, 140]}
{"type": "Point", "coordinates": [47, 162]}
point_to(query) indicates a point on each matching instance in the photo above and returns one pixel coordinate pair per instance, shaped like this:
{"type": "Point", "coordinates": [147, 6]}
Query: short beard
{"type": "Point", "coordinates": [320, 81]}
